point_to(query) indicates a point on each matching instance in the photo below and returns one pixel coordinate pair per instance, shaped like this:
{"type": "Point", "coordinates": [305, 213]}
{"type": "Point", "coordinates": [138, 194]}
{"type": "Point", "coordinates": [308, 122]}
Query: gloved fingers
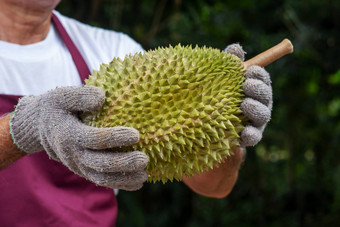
{"type": "Point", "coordinates": [270, 105]}
{"type": "Point", "coordinates": [78, 98]}
{"type": "Point", "coordinates": [259, 73]}
{"type": "Point", "coordinates": [251, 135]}
{"type": "Point", "coordinates": [235, 49]}
{"type": "Point", "coordinates": [119, 180]}
{"type": "Point", "coordinates": [110, 161]}
{"type": "Point", "coordinates": [127, 187]}
{"type": "Point", "coordinates": [258, 90]}
{"type": "Point", "coordinates": [258, 113]}
{"type": "Point", "coordinates": [104, 138]}
{"type": "Point", "coordinates": [258, 103]}
{"type": "Point", "coordinates": [254, 72]}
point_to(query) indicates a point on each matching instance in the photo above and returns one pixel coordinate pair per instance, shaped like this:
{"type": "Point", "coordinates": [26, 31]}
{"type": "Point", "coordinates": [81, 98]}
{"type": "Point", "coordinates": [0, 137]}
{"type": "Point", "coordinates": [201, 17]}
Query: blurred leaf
{"type": "Point", "coordinates": [335, 78]}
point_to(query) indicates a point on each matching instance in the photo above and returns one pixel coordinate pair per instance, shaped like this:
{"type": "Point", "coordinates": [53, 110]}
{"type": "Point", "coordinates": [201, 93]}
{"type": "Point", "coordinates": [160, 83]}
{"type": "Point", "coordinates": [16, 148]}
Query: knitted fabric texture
{"type": "Point", "coordinates": [50, 122]}
{"type": "Point", "coordinates": [257, 105]}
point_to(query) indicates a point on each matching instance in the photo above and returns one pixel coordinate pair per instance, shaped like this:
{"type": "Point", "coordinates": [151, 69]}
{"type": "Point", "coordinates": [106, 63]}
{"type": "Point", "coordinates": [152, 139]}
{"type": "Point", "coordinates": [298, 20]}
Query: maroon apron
{"type": "Point", "coordinates": [37, 191]}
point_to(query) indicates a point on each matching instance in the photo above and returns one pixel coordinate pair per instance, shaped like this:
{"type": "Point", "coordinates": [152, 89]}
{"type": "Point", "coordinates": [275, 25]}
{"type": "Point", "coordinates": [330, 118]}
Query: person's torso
{"type": "Point", "coordinates": [37, 191]}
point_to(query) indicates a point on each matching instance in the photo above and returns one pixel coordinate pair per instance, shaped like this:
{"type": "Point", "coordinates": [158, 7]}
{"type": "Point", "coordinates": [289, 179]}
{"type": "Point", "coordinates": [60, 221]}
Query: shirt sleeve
{"type": "Point", "coordinates": [118, 44]}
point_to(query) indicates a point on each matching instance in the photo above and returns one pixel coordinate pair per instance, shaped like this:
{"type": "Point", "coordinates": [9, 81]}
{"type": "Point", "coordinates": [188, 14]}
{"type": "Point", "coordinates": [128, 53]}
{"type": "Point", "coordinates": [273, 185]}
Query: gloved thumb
{"type": "Point", "coordinates": [235, 49]}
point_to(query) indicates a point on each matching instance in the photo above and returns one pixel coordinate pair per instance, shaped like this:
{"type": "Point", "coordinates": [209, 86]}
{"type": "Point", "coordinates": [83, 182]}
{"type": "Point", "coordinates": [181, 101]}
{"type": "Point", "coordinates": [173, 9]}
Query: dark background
{"type": "Point", "coordinates": [292, 178]}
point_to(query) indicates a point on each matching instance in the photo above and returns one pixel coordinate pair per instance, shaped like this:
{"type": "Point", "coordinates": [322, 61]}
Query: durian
{"type": "Point", "coordinates": [184, 101]}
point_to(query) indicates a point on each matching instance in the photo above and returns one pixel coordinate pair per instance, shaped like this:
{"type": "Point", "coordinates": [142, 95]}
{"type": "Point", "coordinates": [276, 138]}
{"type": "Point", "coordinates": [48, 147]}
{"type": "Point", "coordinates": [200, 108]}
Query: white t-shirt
{"type": "Point", "coordinates": [36, 68]}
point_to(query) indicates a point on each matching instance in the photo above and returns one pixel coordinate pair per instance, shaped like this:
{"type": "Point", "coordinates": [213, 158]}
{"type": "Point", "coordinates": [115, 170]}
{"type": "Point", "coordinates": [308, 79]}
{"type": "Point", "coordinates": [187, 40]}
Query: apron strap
{"type": "Point", "coordinates": [78, 60]}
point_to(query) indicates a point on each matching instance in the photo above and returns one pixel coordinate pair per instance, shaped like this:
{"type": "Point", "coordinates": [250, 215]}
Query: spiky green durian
{"type": "Point", "coordinates": [184, 101]}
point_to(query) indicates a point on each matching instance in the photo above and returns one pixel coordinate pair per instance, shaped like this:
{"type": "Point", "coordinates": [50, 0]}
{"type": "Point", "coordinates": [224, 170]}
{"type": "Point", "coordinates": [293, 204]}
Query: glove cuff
{"type": "Point", "coordinates": [23, 125]}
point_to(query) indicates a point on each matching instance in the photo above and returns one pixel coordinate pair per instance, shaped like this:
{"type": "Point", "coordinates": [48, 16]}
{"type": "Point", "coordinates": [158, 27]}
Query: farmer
{"type": "Point", "coordinates": [56, 171]}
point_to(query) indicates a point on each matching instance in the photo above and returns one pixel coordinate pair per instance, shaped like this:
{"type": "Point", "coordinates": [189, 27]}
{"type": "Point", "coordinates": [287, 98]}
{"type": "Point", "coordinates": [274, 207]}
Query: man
{"type": "Point", "coordinates": [44, 58]}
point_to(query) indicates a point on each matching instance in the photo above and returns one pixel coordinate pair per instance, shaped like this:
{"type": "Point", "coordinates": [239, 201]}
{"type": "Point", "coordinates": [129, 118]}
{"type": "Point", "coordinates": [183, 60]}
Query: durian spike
{"type": "Point", "coordinates": [265, 58]}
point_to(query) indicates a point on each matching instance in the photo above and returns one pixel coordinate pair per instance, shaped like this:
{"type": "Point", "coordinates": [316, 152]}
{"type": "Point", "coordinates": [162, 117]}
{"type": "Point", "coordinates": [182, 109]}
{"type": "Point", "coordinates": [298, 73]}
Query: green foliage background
{"type": "Point", "coordinates": [292, 178]}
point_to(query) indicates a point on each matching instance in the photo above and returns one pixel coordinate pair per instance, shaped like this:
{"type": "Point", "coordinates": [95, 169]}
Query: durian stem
{"type": "Point", "coordinates": [265, 58]}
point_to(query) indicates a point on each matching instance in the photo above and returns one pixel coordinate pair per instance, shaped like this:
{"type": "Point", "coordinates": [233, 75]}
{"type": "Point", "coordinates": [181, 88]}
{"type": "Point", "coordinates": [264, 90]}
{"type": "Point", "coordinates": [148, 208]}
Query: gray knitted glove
{"type": "Point", "coordinates": [257, 105]}
{"type": "Point", "coordinates": [49, 122]}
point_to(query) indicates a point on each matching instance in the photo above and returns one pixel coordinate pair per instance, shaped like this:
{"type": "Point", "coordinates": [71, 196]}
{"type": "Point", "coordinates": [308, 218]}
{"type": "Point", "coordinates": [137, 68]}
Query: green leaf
{"type": "Point", "coordinates": [335, 78]}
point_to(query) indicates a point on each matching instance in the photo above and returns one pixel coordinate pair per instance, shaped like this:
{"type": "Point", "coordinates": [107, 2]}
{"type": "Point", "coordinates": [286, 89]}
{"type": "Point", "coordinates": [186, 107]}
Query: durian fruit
{"type": "Point", "coordinates": [184, 101]}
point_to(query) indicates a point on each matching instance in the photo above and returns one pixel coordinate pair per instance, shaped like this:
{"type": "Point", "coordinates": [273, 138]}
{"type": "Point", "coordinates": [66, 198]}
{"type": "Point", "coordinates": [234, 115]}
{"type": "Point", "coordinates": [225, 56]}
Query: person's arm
{"type": "Point", "coordinates": [218, 182]}
{"type": "Point", "coordinates": [9, 152]}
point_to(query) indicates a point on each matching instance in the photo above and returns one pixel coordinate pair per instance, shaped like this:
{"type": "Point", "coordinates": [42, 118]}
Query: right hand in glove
{"type": "Point", "coordinates": [49, 122]}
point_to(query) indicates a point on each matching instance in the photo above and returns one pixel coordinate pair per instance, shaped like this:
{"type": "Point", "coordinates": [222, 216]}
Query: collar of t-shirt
{"type": "Point", "coordinates": [31, 52]}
